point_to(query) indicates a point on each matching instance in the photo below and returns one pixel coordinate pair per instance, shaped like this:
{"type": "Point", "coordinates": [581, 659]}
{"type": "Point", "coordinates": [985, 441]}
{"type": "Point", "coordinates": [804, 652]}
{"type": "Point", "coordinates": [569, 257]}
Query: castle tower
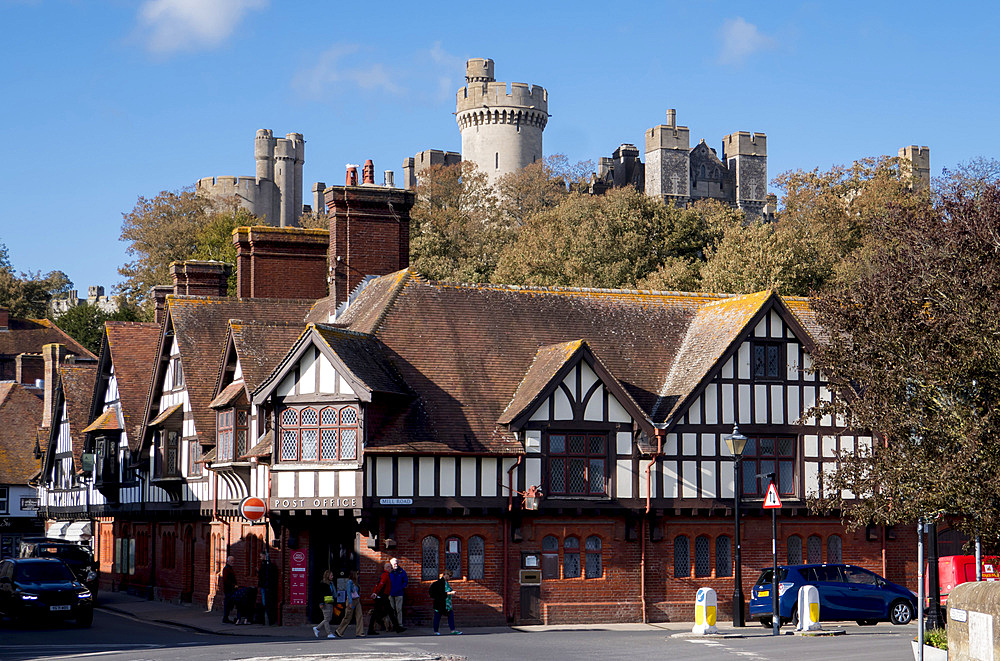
{"type": "Point", "coordinates": [501, 131]}
{"type": "Point", "coordinates": [668, 160]}
{"type": "Point", "coordinates": [916, 162]}
{"type": "Point", "coordinates": [745, 154]}
{"type": "Point", "coordinates": [289, 155]}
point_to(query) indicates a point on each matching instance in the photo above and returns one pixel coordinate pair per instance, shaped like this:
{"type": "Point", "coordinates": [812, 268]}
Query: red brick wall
{"type": "Point", "coordinates": [281, 262]}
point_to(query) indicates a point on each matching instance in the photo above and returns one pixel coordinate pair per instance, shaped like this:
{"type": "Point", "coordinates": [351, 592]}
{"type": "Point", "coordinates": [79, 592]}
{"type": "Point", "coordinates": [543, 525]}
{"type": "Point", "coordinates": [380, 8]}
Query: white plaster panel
{"type": "Point", "coordinates": [743, 361]}
{"type": "Point", "coordinates": [595, 406]}
{"type": "Point", "coordinates": [760, 330]}
{"type": "Point", "coordinates": [727, 404]}
{"type": "Point", "coordinates": [489, 480]}
{"type": "Point", "coordinates": [447, 476]}
{"type": "Point", "coordinates": [670, 445]}
{"type": "Point", "coordinates": [383, 476]}
{"type": "Point", "coordinates": [711, 404]}
{"type": "Point", "coordinates": [865, 443]}
{"type": "Point", "coordinates": [708, 445]}
{"type": "Point", "coordinates": [812, 479]}
{"type": "Point", "coordinates": [792, 361]}
{"type": "Point", "coordinates": [470, 475]}
{"type": "Point", "coordinates": [727, 369]}
{"type": "Point", "coordinates": [825, 397]}
{"type": "Point", "coordinates": [307, 371]}
{"type": "Point", "coordinates": [670, 479]}
{"type": "Point", "coordinates": [828, 469]}
{"type": "Point", "coordinates": [690, 444]}
{"type": "Point", "coordinates": [778, 405]}
{"type": "Point", "coordinates": [307, 484]}
{"type": "Point", "coordinates": [616, 412]}
{"type": "Point", "coordinates": [564, 410]}
{"type": "Point", "coordinates": [694, 412]}
{"type": "Point", "coordinates": [809, 401]}
{"type": "Point", "coordinates": [623, 442]}
{"type": "Point", "coordinates": [623, 478]}
{"type": "Point", "coordinates": [646, 484]}
{"type": "Point", "coordinates": [807, 368]}
{"type": "Point", "coordinates": [343, 387]}
{"type": "Point", "coordinates": [327, 376]}
{"type": "Point", "coordinates": [533, 471]}
{"type": "Point", "coordinates": [708, 479]}
{"type": "Point", "coordinates": [727, 483]}
{"type": "Point", "coordinates": [347, 484]}
{"type": "Point", "coordinates": [829, 447]}
{"type": "Point", "coordinates": [542, 412]}
{"type": "Point", "coordinates": [508, 474]}
{"type": "Point", "coordinates": [286, 385]}
{"type": "Point", "coordinates": [238, 371]}
{"type": "Point", "coordinates": [744, 403]}
{"type": "Point", "coordinates": [327, 484]}
{"type": "Point", "coordinates": [587, 378]}
{"type": "Point", "coordinates": [794, 411]}
{"type": "Point", "coordinates": [286, 484]}
{"type": "Point", "coordinates": [425, 473]}
{"type": "Point", "coordinates": [689, 479]}
{"type": "Point", "coordinates": [759, 403]}
{"type": "Point", "coordinates": [777, 325]}
{"type": "Point", "coordinates": [533, 441]}
{"type": "Point", "coordinates": [847, 443]}
{"type": "Point", "coordinates": [811, 445]}
{"type": "Point", "coordinates": [404, 477]}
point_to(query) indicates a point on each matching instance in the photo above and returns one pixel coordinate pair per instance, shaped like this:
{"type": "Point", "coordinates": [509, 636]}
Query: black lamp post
{"type": "Point", "coordinates": [736, 442]}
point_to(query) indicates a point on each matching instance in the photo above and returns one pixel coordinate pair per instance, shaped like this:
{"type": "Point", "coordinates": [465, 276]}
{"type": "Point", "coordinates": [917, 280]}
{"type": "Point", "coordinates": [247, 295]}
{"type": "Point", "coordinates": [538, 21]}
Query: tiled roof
{"type": "Point", "coordinates": [77, 383]}
{"type": "Point", "coordinates": [21, 412]}
{"type": "Point", "coordinates": [364, 357]}
{"type": "Point", "coordinates": [263, 447]}
{"type": "Point", "coordinates": [365, 312]}
{"type": "Point", "coordinates": [228, 395]}
{"type": "Point", "coordinates": [165, 414]}
{"type": "Point", "coordinates": [548, 361]}
{"type": "Point", "coordinates": [133, 353]}
{"type": "Point", "coordinates": [30, 335]}
{"type": "Point", "coordinates": [107, 421]}
{"type": "Point", "coordinates": [261, 346]}
{"type": "Point", "coordinates": [201, 325]}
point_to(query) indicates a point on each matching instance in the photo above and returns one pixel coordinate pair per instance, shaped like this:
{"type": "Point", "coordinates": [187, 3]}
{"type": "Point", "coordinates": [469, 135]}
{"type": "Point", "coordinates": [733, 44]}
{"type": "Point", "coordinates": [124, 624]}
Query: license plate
{"type": "Point", "coordinates": [59, 608]}
{"type": "Point", "coordinates": [763, 593]}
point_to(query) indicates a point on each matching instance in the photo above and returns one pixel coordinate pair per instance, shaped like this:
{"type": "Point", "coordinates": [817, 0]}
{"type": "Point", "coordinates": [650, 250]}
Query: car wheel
{"type": "Point", "coordinates": [795, 615]}
{"type": "Point", "coordinates": [867, 623]}
{"type": "Point", "coordinates": [901, 612]}
{"type": "Point", "coordinates": [766, 622]}
{"type": "Point", "coordinates": [85, 618]}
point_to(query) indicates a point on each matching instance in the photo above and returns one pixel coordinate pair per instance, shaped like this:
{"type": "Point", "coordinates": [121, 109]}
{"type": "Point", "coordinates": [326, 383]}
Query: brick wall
{"type": "Point", "coordinates": [281, 262]}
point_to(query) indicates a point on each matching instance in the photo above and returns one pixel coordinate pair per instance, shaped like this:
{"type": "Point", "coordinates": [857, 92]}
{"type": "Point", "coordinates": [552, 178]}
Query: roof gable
{"type": "Point", "coordinates": [127, 352]}
{"type": "Point", "coordinates": [21, 412]}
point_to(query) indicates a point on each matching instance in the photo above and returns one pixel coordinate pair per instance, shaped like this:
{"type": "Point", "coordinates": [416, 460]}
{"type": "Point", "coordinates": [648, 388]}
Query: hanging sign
{"type": "Point", "coordinates": [771, 500]}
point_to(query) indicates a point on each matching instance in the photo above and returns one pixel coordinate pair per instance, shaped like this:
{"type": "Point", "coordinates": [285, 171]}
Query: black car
{"type": "Point", "coordinates": [36, 589]}
{"type": "Point", "coordinates": [79, 558]}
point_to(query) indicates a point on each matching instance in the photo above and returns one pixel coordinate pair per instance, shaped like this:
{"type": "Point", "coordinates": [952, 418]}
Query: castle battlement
{"type": "Point", "coordinates": [220, 185]}
{"type": "Point", "coordinates": [518, 95]}
{"type": "Point", "coordinates": [744, 143]}
{"type": "Point", "coordinates": [666, 136]}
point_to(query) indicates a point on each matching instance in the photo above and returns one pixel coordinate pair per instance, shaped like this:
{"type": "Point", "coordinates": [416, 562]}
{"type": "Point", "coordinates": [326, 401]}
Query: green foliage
{"type": "Point", "coordinates": [936, 638]}
{"type": "Point", "coordinates": [28, 294]}
{"type": "Point", "coordinates": [85, 323]}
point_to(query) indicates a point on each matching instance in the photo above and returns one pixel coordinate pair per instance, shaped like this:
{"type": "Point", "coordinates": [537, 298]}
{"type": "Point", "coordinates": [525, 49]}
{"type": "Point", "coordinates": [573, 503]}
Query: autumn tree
{"type": "Point", "coordinates": [28, 294]}
{"type": "Point", "coordinates": [914, 354]}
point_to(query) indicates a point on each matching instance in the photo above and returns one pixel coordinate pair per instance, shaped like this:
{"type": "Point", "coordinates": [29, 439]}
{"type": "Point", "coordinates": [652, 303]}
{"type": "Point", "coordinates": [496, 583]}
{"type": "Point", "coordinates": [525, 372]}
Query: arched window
{"type": "Point", "coordinates": [550, 557]}
{"type": "Point", "coordinates": [429, 559]}
{"type": "Point", "coordinates": [571, 558]}
{"type": "Point", "coordinates": [833, 549]}
{"type": "Point", "coordinates": [595, 568]}
{"type": "Point", "coordinates": [723, 557]}
{"type": "Point", "coordinates": [701, 173]}
{"type": "Point", "coordinates": [477, 558]}
{"type": "Point", "coordinates": [453, 556]}
{"type": "Point", "coordinates": [682, 557]}
{"type": "Point", "coordinates": [702, 559]}
{"type": "Point", "coordinates": [793, 550]}
{"type": "Point", "coordinates": [814, 549]}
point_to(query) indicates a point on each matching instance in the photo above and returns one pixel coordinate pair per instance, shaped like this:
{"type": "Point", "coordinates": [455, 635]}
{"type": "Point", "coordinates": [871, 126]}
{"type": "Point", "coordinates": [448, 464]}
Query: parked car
{"type": "Point", "coordinates": [36, 589]}
{"type": "Point", "coordinates": [846, 592]}
{"type": "Point", "coordinates": [78, 557]}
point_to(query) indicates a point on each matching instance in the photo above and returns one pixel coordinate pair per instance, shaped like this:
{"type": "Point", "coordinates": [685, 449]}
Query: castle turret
{"type": "Point", "coordinates": [501, 130]}
{"type": "Point", "coordinates": [668, 160]}
{"type": "Point", "coordinates": [915, 162]}
{"type": "Point", "coordinates": [745, 154]}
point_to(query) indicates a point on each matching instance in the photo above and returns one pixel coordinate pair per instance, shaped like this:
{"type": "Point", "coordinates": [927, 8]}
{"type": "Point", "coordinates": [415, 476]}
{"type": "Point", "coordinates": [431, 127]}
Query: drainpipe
{"type": "Point", "coordinates": [660, 433]}
{"type": "Point", "coordinates": [506, 536]}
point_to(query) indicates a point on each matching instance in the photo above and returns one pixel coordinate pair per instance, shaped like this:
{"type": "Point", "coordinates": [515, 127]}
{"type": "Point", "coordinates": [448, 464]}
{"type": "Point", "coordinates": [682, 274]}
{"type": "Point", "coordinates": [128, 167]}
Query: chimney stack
{"type": "Point", "coordinates": [200, 278]}
{"type": "Point", "coordinates": [159, 294]}
{"type": "Point", "coordinates": [4, 319]}
{"type": "Point", "coordinates": [54, 355]}
{"type": "Point", "coordinates": [671, 117]}
{"type": "Point", "coordinates": [352, 176]}
{"type": "Point", "coordinates": [29, 368]}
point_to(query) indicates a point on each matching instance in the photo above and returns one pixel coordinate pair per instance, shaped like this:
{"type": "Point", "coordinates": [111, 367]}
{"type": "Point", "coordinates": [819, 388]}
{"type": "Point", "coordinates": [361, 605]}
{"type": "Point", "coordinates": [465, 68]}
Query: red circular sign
{"type": "Point", "coordinates": [253, 508]}
{"type": "Point", "coordinates": [299, 556]}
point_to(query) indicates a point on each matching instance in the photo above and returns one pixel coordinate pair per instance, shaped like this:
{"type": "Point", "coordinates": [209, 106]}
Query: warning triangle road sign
{"type": "Point", "coordinates": [771, 500]}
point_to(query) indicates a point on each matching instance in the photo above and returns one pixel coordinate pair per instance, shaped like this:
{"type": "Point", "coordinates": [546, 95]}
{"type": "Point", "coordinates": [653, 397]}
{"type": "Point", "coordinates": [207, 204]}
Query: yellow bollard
{"type": "Point", "coordinates": [706, 606]}
{"type": "Point", "coordinates": [808, 609]}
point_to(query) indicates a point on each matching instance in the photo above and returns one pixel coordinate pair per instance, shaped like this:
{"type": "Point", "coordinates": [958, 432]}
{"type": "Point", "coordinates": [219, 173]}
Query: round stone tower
{"type": "Point", "coordinates": [501, 130]}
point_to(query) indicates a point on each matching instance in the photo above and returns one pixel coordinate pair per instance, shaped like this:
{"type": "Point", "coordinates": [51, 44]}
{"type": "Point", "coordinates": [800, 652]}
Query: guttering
{"type": "Point", "coordinates": [506, 536]}
{"type": "Point", "coordinates": [660, 432]}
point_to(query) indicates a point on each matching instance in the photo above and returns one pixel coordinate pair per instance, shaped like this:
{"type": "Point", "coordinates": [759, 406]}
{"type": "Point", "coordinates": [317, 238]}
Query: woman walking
{"type": "Point", "coordinates": [441, 594]}
{"type": "Point", "coordinates": [352, 609]}
{"type": "Point", "coordinates": [326, 606]}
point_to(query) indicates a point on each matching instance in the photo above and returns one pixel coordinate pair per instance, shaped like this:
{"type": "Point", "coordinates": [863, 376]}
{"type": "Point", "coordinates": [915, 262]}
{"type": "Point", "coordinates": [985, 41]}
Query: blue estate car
{"type": "Point", "coordinates": [846, 592]}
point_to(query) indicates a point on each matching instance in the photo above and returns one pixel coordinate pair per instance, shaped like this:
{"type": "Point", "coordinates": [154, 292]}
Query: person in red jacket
{"type": "Point", "coordinates": [382, 607]}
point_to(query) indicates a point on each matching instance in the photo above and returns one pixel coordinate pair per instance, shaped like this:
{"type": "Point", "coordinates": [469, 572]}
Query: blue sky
{"type": "Point", "coordinates": [104, 101]}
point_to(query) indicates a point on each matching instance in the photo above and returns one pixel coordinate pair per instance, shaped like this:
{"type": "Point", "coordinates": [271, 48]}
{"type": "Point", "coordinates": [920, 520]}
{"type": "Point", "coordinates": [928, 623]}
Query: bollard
{"type": "Point", "coordinates": [706, 606]}
{"type": "Point", "coordinates": [808, 609]}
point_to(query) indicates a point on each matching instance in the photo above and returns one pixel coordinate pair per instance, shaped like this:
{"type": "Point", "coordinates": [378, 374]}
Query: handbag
{"type": "Point", "coordinates": [328, 599]}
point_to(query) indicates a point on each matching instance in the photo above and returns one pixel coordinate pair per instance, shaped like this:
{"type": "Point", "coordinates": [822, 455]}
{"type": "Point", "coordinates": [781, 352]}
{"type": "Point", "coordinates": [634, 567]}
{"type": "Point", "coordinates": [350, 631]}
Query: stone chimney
{"type": "Point", "coordinates": [53, 355]}
{"type": "Point", "coordinates": [200, 278]}
{"type": "Point", "coordinates": [159, 294]}
{"type": "Point", "coordinates": [4, 319]}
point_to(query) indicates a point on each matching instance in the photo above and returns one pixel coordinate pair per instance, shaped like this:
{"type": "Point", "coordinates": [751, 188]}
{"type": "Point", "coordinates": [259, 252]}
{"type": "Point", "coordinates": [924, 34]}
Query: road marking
{"type": "Point", "coordinates": [716, 644]}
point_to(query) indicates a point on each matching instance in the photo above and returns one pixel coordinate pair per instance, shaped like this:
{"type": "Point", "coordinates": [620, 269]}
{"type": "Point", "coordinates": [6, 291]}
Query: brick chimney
{"type": "Point", "coordinates": [4, 319]}
{"type": "Point", "coordinates": [200, 278]}
{"type": "Point", "coordinates": [28, 368]}
{"type": "Point", "coordinates": [281, 262]}
{"type": "Point", "coordinates": [369, 234]}
{"type": "Point", "coordinates": [53, 355]}
{"type": "Point", "coordinates": [159, 294]}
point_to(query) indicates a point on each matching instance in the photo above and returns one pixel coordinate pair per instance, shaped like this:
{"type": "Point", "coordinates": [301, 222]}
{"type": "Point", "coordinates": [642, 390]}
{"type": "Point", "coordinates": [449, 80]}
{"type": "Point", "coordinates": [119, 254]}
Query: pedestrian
{"type": "Point", "coordinates": [382, 607]}
{"type": "Point", "coordinates": [326, 605]}
{"type": "Point", "coordinates": [352, 609]}
{"type": "Point", "coordinates": [267, 585]}
{"type": "Point", "coordinates": [399, 581]}
{"type": "Point", "coordinates": [441, 594]}
{"type": "Point", "coordinates": [228, 588]}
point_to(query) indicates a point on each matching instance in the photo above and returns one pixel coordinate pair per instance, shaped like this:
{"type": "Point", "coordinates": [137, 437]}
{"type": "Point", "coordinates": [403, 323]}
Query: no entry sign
{"type": "Point", "coordinates": [253, 508]}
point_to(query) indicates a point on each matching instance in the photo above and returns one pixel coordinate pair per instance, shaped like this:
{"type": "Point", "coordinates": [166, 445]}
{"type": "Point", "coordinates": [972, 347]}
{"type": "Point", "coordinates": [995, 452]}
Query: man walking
{"type": "Point", "coordinates": [399, 580]}
{"type": "Point", "coordinates": [267, 585]}
{"type": "Point", "coordinates": [228, 588]}
{"type": "Point", "coordinates": [382, 608]}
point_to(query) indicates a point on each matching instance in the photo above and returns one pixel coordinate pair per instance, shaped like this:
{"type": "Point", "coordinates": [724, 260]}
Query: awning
{"type": "Point", "coordinates": [107, 421]}
{"type": "Point", "coordinates": [160, 419]}
{"type": "Point", "coordinates": [228, 395]}
{"type": "Point", "coordinates": [70, 531]}
{"type": "Point", "coordinates": [263, 447]}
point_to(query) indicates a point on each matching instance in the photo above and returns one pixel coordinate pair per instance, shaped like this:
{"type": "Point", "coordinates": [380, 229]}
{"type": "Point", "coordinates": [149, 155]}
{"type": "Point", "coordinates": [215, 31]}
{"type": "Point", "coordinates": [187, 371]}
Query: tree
{"type": "Point", "coordinates": [913, 353]}
{"type": "Point", "coordinates": [85, 323]}
{"type": "Point", "coordinates": [28, 294]}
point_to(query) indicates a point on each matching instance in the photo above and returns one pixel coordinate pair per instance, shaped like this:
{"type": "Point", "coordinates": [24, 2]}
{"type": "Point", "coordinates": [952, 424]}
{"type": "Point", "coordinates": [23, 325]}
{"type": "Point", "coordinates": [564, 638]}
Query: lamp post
{"type": "Point", "coordinates": [736, 442]}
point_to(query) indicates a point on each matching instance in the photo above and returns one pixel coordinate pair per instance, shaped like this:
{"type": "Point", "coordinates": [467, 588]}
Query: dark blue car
{"type": "Point", "coordinates": [846, 592]}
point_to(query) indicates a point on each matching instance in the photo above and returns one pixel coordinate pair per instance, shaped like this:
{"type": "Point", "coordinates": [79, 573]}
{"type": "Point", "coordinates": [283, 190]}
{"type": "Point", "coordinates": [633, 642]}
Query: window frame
{"type": "Point", "coordinates": [687, 555]}
{"type": "Point", "coordinates": [751, 465]}
{"type": "Point", "coordinates": [475, 558]}
{"type": "Point", "coordinates": [764, 373]}
{"type": "Point", "coordinates": [587, 456]}
{"type": "Point", "coordinates": [723, 569]}
{"type": "Point", "coordinates": [570, 551]}
{"type": "Point", "coordinates": [4, 500]}
{"type": "Point", "coordinates": [428, 573]}
{"type": "Point", "coordinates": [550, 559]}
{"type": "Point", "coordinates": [703, 571]}
{"type": "Point", "coordinates": [342, 425]}
{"type": "Point", "coordinates": [591, 552]}
{"type": "Point", "coordinates": [453, 559]}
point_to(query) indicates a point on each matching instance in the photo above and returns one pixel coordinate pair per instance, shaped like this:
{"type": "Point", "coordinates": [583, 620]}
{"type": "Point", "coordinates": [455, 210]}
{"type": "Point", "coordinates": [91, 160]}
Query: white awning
{"type": "Point", "coordinates": [71, 531]}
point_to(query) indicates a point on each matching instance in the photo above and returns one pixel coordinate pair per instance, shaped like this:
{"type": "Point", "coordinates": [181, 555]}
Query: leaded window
{"type": "Point", "coordinates": [814, 549]}
{"type": "Point", "coordinates": [793, 550]}
{"type": "Point", "coordinates": [768, 360]}
{"type": "Point", "coordinates": [550, 557]}
{"type": "Point", "coordinates": [571, 558]}
{"type": "Point", "coordinates": [453, 556]}
{"type": "Point", "coordinates": [682, 557]}
{"type": "Point", "coordinates": [329, 433]}
{"type": "Point", "coordinates": [429, 559]}
{"type": "Point", "coordinates": [702, 556]}
{"type": "Point", "coordinates": [595, 568]}
{"type": "Point", "coordinates": [577, 464]}
{"type": "Point", "coordinates": [231, 434]}
{"type": "Point", "coordinates": [723, 557]}
{"type": "Point", "coordinates": [766, 455]}
{"type": "Point", "coordinates": [833, 547]}
{"type": "Point", "coordinates": [477, 558]}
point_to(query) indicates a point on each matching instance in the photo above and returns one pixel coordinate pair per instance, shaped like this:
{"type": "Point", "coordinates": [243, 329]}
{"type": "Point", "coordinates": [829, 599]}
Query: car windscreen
{"type": "Point", "coordinates": [74, 555]}
{"type": "Point", "coordinates": [42, 572]}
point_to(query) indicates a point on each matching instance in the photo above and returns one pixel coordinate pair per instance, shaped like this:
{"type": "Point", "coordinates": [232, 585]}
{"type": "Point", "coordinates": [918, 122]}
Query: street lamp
{"type": "Point", "coordinates": [736, 442]}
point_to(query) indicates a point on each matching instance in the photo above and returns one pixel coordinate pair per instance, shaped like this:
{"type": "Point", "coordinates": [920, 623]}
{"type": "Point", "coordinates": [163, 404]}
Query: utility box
{"type": "Point", "coordinates": [531, 577]}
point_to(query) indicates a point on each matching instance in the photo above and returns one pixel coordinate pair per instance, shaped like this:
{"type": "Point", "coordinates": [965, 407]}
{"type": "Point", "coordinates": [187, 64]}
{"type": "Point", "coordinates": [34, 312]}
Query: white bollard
{"type": "Point", "coordinates": [706, 605]}
{"type": "Point", "coordinates": [808, 609]}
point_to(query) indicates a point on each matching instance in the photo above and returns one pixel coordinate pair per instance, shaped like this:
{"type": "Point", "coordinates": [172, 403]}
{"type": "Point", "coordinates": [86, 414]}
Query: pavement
{"type": "Point", "coordinates": [196, 618]}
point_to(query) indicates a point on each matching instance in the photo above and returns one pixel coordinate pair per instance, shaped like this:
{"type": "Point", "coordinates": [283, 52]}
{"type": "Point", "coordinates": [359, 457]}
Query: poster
{"type": "Point", "coordinates": [298, 582]}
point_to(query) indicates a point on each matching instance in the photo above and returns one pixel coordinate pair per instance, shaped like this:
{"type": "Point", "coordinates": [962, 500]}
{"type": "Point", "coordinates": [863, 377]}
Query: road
{"type": "Point", "coordinates": [117, 637]}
